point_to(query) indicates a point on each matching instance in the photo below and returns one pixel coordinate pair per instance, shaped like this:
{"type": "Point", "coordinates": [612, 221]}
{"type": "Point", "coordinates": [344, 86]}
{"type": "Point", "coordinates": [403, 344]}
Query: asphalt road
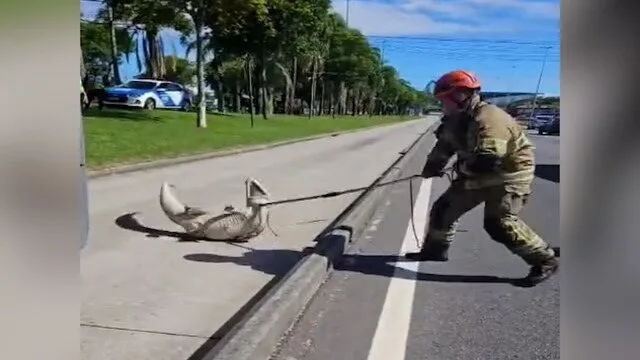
{"type": "Point", "coordinates": [149, 294]}
{"type": "Point", "coordinates": [377, 306]}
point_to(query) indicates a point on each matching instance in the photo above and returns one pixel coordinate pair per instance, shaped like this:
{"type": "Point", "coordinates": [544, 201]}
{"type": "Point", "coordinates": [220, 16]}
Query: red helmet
{"type": "Point", "coordinates": [455, 80]}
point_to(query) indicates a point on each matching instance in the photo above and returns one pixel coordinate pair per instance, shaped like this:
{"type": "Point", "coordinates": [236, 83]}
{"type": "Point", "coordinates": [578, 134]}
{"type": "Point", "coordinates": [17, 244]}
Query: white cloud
{"type": "Point", "coordinates": [535, 8]}
{"type": "Point", "coordinates": [447, 17]}
{"type": "Point", "coordinates": [384, 19]}
{"type": "Point", "coordinates": [452, 9]}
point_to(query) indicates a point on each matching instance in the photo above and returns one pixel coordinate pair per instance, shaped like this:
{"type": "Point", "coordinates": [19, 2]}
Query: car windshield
{"type": "Point", "coordinates": [139, 84]}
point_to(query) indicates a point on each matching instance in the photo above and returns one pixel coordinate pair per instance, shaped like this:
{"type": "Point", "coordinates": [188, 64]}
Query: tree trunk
{"type": "Point", "coordinates": [236, 97]}
{"type": "Point", "coordinates": [162, 69]}
{"type": "Point", "coordinates": [268, 105]}
{"type": "Point", "coordinates": [114, 48]}
{"type": "Point", "coordinates": [263, 83]}
{"type": "Point", "coordinates": [322, 97]}
{"type": "Point", "coordinates": [286, 98]}
{"type": "Point", "coordinates": [314, 70]}
{"type": "Point", "coordinates": [146, 53]}
{"type": "Point", "coordinates": [354, 102]}
{"type": "Point", "coordinates": [220, 95]}
{"type": "Point", "coordinates": [152, 69]}
{"type": "Point", "coordinates": [372, 104]}
{"type": "Point", "coordinates": [250, 81]}
{"type": "Point", "coordinates": [294, 83]}
{"type": "Point", "coordinates": [84, 76]}
{"type": "Point", "coordinates": [201, 118]}
{"type": "Point", "coordinates": [334, 99]}
{"type": "Point", "coordinates": [342, 99]}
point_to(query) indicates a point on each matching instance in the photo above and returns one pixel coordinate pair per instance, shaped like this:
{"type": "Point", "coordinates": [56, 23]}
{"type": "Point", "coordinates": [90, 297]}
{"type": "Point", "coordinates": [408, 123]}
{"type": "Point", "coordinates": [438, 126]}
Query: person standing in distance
{"type": "Point", "coordinates": [495, 166]}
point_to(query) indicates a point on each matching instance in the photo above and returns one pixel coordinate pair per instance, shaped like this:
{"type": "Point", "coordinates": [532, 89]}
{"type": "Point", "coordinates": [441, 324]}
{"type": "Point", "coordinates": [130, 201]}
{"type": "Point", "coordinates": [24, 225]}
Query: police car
{"type": "Point", "coordinates": [148, 94]}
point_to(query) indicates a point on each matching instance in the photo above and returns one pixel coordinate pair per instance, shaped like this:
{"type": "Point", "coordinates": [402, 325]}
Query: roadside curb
{"type": "Point", "coordinates": [256, 336]}
{"type": "Point", "coordinates": [156, 164]}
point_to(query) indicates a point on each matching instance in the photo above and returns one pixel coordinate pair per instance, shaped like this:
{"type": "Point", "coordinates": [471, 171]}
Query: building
{"type": "Point", "coordinates": [503, 99]}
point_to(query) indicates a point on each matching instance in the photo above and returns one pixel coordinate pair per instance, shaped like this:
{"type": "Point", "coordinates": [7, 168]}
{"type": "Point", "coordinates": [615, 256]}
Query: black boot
{"type": "Point", "coordinates": [540, 273]}
{"type": "Point", "coordinates": [430, 252]}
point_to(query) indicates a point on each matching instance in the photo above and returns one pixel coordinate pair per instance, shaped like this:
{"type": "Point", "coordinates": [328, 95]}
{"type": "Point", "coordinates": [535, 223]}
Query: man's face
{"type": "Point", "coordinates": [449, 107]}
{"type": "Point", "coordinates": [451, 104]}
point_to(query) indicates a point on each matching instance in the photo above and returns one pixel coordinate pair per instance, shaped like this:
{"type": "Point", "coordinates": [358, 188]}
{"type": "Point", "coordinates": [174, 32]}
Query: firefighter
{"type": "Point", "coordinates": [495, 166]}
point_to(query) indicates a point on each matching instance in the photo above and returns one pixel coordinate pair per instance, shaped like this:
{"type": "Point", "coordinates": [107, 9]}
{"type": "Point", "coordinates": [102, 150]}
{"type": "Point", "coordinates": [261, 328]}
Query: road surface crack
{"type": "Point", "coordinates": [117, 328]}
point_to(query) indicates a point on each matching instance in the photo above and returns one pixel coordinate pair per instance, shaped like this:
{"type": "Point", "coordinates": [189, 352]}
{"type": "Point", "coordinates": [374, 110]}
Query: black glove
{"type": "Point", "coordinates": [483, 164]}
{"type": "Point", "coordinates": [429, 172]}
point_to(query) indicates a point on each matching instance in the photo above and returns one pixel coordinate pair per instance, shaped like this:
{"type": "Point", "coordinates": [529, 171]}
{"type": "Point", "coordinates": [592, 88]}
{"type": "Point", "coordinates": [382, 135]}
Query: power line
{"type": "Point", "coordinates": [468, 40]}
{"type": "Point", "coordinates": [470, 46]}
{"type": "Point", "coordinates": [470, 49]}
{"type": "Point", "coordinates": [479, 51]}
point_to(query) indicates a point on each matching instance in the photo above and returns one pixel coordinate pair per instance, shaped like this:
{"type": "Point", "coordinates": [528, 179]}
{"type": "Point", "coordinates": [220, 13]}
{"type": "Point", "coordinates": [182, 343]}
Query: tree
{"type": "Point", "coordinates": [196, 10]}
{"type": "Point", "coordinates": [180, 70]}
{"type": "Point", "coordinates": [97, 52]}
{"type": "Point", "coordinates": [267, 31]}
{"type": "Point", "coordinates": [232, 25]}
{"type": "Point", "coordinates": [302, 56]}
{"type": "Point", "coordinates": [145, 19]}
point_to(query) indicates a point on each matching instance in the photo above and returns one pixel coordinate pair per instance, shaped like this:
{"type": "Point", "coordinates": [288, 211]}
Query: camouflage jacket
{"type": "Point", "coordinates": [485, 131]}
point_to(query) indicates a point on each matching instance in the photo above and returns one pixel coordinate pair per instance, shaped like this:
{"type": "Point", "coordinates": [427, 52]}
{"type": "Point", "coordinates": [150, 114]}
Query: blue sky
{"type": "Point", "coordinates": [502, 41]}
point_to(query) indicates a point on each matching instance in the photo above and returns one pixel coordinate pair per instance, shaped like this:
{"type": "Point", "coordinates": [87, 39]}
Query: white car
{"type": "Point", "coordinates": [148, 94]}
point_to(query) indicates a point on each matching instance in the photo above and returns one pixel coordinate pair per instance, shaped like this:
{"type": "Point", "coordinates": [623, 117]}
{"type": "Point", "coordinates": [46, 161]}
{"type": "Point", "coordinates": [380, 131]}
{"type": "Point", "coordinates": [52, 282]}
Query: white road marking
{"type": "Point", "coordinates": [390, 339]}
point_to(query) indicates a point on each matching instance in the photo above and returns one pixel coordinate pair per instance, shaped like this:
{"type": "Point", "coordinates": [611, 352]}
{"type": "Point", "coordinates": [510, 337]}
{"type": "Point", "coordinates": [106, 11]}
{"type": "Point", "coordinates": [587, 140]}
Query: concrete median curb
{"type": "Point", "coordinates": [156, 164]}
{"type": "Point", "coordinates": [257, 334]}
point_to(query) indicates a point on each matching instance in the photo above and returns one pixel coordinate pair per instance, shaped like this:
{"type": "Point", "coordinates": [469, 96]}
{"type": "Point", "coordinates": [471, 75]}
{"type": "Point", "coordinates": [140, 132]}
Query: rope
{"type": "Point", "coordinates": [326, 196]}
{"type": "Point", "coordinates": [449, 172]}
{"type": "Point", "coordinates": [335, 193]}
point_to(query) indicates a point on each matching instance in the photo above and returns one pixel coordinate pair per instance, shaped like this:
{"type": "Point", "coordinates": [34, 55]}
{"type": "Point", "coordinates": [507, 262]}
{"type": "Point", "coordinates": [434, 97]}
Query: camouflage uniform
{"type": "Point", "coordinates": [485, 134]}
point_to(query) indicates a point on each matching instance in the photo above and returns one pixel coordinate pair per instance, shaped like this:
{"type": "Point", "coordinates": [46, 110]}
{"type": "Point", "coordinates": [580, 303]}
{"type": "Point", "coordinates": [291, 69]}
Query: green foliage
{"type": "Point", "coordinates": [96, 47]}
{"type": "Point", "coordinates": [180, 70]}
{"type": "Point", "coordinates": [300, 56]}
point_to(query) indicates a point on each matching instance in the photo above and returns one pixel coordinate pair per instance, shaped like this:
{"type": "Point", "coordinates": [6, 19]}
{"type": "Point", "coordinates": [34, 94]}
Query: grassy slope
{"type": "Point", "coordinates": [115, 137]}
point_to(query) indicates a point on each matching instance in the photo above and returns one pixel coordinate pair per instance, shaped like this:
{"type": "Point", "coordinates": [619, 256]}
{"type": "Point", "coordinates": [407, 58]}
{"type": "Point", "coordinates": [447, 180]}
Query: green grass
{"type": "Point", "coordinates": [116, 137]}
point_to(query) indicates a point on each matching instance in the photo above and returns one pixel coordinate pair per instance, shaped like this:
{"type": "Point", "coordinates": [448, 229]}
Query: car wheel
{"type": "Point", "coordinates": [150, 104]}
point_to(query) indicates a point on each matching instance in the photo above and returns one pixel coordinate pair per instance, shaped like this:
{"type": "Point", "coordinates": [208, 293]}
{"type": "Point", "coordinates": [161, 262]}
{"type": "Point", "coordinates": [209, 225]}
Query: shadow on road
{"type": "Point", "coordinates": [129, 222]}
{"type": "Point", "coordinates": [273, 261]}
{"type": "Point", "coordinates": [549, 172]}
{"type": "Point", "coordinates": [382, 265]}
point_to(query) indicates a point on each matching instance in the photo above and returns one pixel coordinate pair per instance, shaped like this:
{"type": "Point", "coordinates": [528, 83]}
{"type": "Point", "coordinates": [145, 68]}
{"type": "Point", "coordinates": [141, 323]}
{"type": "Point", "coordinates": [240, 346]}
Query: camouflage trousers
{"type": "Point", "coordinates": [501, 220]}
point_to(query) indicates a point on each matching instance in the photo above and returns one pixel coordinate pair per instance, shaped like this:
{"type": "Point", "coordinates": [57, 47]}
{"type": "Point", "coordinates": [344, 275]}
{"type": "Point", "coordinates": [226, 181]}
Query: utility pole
{"type": "Point", "coordinates": [347, 17]}
{"type": "Point", "coordinates": [535, 96]}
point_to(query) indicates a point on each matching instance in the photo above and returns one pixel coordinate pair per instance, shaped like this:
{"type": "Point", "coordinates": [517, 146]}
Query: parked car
{"type": "Point", "coordinates": [551, 127]}
{"type": "Point", "coordinates": [541, 120]}
{"type": "Point", "coordinates": [148, 94]}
